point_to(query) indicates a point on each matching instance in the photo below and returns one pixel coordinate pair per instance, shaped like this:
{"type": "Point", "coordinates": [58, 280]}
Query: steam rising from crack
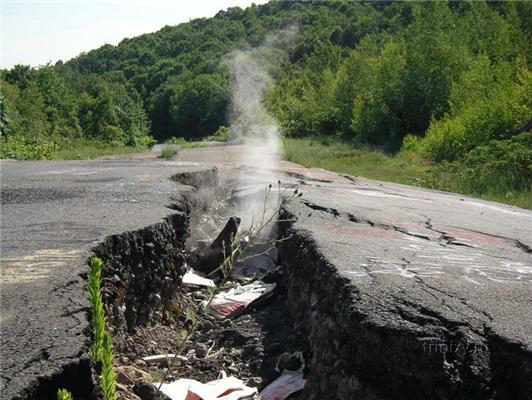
{"type": "Point", "coordinates": [253, 126]}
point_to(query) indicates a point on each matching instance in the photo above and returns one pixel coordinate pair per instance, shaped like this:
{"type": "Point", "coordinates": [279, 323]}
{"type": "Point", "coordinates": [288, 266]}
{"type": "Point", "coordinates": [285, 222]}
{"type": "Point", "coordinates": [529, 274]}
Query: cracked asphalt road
{"type": "Point", "coordinates": [53, 214]}
{"type": "Point", "coordinates": [446, 269]}
{"type": "Point", "coordinates": [430, 265]}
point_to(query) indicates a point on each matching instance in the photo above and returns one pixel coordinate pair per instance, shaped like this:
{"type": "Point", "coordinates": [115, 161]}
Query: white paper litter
{"type": "Point", "coordinates": [229, 388]}
{"type": "Point", "coordinates": [192, 278]}
{"type": "Point", "coordinates": [229, 302]}
{"type": "Point", "coordinates": [287, 384]}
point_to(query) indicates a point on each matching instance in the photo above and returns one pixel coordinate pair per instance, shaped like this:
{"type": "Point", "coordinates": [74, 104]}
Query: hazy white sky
{"type": "Point", "coordinates": [35, 32]}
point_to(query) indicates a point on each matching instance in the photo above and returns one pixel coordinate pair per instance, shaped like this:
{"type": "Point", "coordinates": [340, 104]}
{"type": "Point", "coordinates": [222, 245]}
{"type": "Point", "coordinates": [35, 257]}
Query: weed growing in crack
{"type": "Point", "coordinates": [234, 253]}
{"type": "Point", "coordinates": [95, 298]}
{"type": "Point", "coordinates": [102, 349]}
{"type": "Point", "coordinates": [108, 377]}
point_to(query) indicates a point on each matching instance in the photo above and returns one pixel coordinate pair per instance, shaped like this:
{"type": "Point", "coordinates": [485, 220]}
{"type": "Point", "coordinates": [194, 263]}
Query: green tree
{"type": "Point", "coordinates": [198, 107]}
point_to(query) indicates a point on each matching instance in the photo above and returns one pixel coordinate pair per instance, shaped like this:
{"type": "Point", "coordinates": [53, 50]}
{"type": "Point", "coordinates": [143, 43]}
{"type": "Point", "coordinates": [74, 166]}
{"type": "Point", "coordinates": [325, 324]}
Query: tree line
{"type": "Point", "coordinates": [449, 81]}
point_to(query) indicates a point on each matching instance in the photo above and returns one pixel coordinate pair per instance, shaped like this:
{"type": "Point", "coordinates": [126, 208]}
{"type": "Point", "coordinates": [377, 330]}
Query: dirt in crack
{"type": "Point", "coordinates": [254, 345]}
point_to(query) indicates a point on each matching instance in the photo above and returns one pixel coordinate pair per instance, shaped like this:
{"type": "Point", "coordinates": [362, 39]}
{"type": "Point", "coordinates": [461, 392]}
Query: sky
{"type": "Point", "coordinates": [36, 32]}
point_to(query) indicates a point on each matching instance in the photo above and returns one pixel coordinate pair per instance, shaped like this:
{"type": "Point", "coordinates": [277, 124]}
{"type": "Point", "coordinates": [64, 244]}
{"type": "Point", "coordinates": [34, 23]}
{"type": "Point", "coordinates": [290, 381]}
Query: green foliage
{"type": "Point", "coordinates": [102, 349]}
{"type": "Point", "coordinates": [49, 106]}
{"type": "Point", "coordinates": [98, 315]}
{"type": "Point", "coordinates": [488, 102]}
{"type": "Point", "coordinates": [343, 157]}
{"type": "Point", "coordinates": [23, 147]}
{"type": "Point", "coordinates": [63, 394]}
{"type": "Point", "coordinates": [167, 152]}
{"type": "Point", "coordinates": [439, 78]}
{"type": "Point", "coordinates": [198, 106]}
{"type": "Point", "coordinates": [501, 167]}
{"type": "Point", "coordinates": [223, 134]}
{"type": "Point", "coordinates": [4, 122]}
{"type": "Point", "coordinates": [500, 171]}
{"type": "Point", "coordinates": [85, 149]}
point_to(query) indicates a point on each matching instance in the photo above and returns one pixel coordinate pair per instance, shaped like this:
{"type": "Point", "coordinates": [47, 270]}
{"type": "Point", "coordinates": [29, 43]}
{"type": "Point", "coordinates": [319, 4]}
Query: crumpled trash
{"type": "Point", "coordinates": [290, 381]}
{"type": "Point", "coordinates": [235, 300]}
{"type": "Point", "coordinates": [229, 388]}
{"type": "Point", "coordinates": [287, 384]}
{"type": "Point", "coordinates": [192, 278]}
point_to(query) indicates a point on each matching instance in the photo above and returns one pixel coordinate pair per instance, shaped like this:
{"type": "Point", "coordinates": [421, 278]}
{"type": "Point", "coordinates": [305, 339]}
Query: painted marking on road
{"type": "Point", "coordinates": [36, 265]}
{"type": "Point", "coordinates": [74, 171]}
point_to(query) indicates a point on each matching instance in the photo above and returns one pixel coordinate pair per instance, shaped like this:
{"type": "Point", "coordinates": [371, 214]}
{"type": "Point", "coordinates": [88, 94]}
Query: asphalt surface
{"type": "Point", "coordinates": [428, 246]}
{"type": "Point", "coordinates": [53, 213]}
{"type": "Point", "coordinates": [446, 269]}
{"type": "Point", "coordinates": [417, 258]}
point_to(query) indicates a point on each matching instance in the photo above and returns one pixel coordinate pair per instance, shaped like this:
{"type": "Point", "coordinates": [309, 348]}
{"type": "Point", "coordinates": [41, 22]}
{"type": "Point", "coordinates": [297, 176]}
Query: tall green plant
{"type": "Point", "coordinates": [98, 316]}
{"type": "Point", "coordinates": [102, 349]}
{"type": "Point", "coordinates": [108, 378]}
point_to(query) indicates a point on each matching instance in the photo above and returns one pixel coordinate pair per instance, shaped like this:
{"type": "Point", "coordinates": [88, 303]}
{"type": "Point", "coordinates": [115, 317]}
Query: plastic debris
{"type": "Point", "coordinates": [291, 379]}
{"type": "Point", "coordinates": [287, 384]}
{"type": "Point", "coordinates": [192, 278]}
{"type": "Point", "coordinates": [235, 300]}
{"type": "Point", "coordinates": [227, 388]}
{"type": "Point", "coordinates": [163, 358]}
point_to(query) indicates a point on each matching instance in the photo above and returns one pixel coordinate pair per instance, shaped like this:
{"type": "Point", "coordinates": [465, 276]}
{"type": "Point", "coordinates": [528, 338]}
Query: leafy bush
{"type": "Point", "coordinates": [221, 135]}
{"type": "Point", "coordinates": [499, 167]}
{"type": "Point", "coordinates": [167, 152]}
{"type": "Point", "coordinates": [488, 102]}
{"type": "Point", "coordinates": [28, 148]}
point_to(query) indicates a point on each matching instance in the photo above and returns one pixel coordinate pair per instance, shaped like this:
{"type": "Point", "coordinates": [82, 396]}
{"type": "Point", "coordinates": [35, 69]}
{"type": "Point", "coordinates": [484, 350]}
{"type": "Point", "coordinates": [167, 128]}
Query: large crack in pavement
{"type": "Point", "coordinates": [398, 342]}
{"type": "Point", "coordinates": [45, 332]}
{"type": "Point", "coordinates": [383, 305]}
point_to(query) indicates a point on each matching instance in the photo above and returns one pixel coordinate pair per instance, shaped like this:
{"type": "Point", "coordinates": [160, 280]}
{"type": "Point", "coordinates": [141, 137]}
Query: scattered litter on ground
{"type": "Point", "coordinates": [227, 388]}
{"type": "Point", "coordinates": [163, 358]}
{"type": "Point", "coordinates": [235, 300]}
{"type": "Point", "coordinates": [194, 279]}
{"type": "Point", "coordinates": [287, 384]}
{"type": "Point", "coordinates": [255, 347]}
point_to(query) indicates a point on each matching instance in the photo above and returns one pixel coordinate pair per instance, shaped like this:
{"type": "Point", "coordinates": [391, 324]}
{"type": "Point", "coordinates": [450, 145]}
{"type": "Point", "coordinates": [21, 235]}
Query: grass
{"type": "Point", "coordinates": [343, 158]}
{"type": "Point", "coordinates": [405, 168]}
{"type": "Point", "coordinates": [86, 149]}
{"type": "Point", "coordinates": [167, 152]}
{"type": "Point", "coordinates": [222, 135]}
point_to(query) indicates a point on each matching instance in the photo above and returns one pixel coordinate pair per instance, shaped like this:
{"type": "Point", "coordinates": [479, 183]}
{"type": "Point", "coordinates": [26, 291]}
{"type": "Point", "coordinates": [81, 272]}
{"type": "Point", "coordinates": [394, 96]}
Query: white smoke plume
{"type": "Point", "coordinates": [252, 125]}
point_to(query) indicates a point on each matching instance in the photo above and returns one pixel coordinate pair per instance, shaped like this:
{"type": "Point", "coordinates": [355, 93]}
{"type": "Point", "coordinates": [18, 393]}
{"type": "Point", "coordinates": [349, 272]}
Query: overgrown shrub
{"type": "Point", "coordinates": [28, 148]}
{"type": "Point", "coordinates": [499, 167]}
{"type": "Point", "coordinates": [488, 103]}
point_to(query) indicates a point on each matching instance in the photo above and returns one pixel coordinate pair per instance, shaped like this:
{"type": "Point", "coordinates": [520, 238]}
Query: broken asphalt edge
{"type": "Point", "coordinates": [358, 353]}
{"type": "Point", "coordinates": [155, 252]}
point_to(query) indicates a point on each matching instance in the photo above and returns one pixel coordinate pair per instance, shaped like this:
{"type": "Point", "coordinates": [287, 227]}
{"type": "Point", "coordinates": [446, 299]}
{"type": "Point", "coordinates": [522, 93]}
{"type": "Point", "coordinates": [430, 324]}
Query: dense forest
{"type": "Point", "coordinates": [447, 81]}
